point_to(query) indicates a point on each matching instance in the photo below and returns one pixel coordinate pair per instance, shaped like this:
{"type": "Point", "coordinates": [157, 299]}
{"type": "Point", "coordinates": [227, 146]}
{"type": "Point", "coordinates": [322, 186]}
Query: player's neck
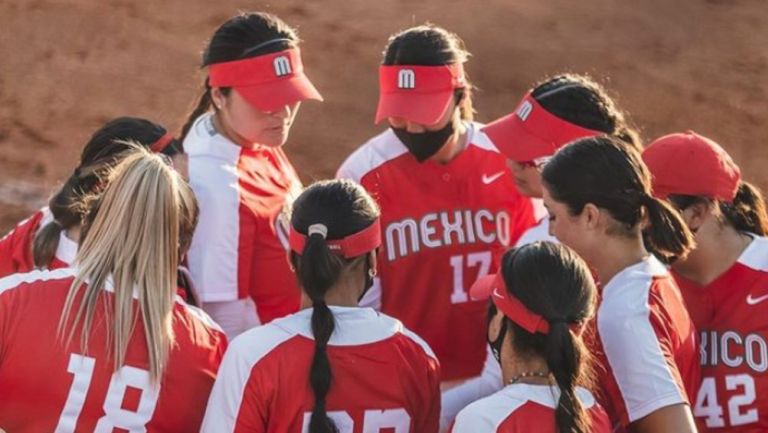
{"type": "Point", "coordinates": [717, 249]}
{"type": "Point", "coordinates": [514, 369]}
{"type": "Point", "coordinates": [346, 292]}
{"type": "Point", "coordinates": [616, 254]}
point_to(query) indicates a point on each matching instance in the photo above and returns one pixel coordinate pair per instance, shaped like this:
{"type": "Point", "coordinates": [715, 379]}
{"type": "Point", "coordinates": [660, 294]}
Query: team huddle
{"type": "Point", "coordinates": [547, 272]}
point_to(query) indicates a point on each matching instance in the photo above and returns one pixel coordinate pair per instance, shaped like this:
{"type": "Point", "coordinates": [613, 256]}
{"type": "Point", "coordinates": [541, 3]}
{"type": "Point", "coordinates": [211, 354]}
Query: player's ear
{"type": "Point", "coordinates": [591, 216]}
{"type": "Point", "coordinates": [696, 214]}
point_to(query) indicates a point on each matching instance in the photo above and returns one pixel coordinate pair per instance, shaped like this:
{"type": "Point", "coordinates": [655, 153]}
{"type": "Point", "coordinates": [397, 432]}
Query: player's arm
{"type": "Point", "coordinates": [671, 419]}
{"type": "Point", "coordinates": [644, 376]}
{"type": "Point", "coordinates": [458, 397]}
{"type": "Point", "coordinates": [235, 403]}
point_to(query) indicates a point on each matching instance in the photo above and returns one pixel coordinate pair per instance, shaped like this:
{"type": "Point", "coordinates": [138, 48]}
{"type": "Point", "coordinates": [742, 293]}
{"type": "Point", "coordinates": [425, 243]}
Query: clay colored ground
{"type": "Point", "coordinates": [67, 66]}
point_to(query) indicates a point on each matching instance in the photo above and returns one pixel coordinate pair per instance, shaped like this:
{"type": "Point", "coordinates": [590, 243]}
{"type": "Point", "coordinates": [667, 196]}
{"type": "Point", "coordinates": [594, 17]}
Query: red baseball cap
{"type": "Point", "coordinates": [532, 132]}
{"type": "Point", "coordinates": [268, 82]}
{"type": "Point", "coordinates": [690, 164]}
{"type": "Point", "coordinates": [420, 94]}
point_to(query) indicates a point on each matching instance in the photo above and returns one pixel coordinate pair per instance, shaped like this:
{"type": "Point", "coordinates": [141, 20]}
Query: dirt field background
{"type": "Point", "coordinates": [67, 66]}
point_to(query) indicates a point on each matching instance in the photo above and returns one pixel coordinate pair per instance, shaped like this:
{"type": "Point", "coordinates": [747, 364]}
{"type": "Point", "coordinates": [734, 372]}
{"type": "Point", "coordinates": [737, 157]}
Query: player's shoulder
{"type": "Point", "coordinates": [26, 229]}
{"type": "Point", "coordinates": [488, 414]}
{"type": "Point", "coordinates": [371, 155]}
{"type": "Point", "coordinates": [629, 290]}
{"type": "Point", "coordinates": [755, 256]}
{"type": "Point", "coordinates": [257, 343]}
{"type": "Point", "coordinates": [35, 277]}
{"type": "Point", "coordinates": [479, 139]}
{"type": "Point", "coordinates": [206, 147]}
{"type": "Point", "coordinates": [198, 324]}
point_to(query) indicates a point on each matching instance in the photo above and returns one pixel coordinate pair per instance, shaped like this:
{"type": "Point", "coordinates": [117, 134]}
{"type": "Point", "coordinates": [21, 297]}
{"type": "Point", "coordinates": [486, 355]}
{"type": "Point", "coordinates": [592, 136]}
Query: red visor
{"type": "Point", "coordinates": [690, 164]}
{"type": "Point", "coordinates": [161, 143]}
{"type": "Point", "coordinates": [351, 246]}
{"type": "Point", "coordinates": [420, 94]}
{"type": "Point", "coordinates": [268, 82]}
{"type": "Point", "coordinates": [493, 286]}
{"type": "Point", "coordinates": [532, 132]}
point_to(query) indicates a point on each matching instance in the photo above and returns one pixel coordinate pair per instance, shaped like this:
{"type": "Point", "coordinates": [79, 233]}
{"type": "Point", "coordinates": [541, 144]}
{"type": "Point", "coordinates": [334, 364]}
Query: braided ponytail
{"type": "Point", "coordinates": [326, 210]}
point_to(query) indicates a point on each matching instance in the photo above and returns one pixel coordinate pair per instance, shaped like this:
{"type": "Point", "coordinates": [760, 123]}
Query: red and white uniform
{"type": "Point", "coordinates": [444, 226]}
{"type": "Point", "coordinates": [524, 408]}
{"type": "Point", "coordinates": [16, 246]}
{"type": "Point", "coordinates": [646, 348]}
{"type": "Point", "coordinates": [47, 387]}
{"type": "Point", "coordinates": [239, 248]}
{"type": "Point", "coordinates": [384, 378]}
{"type": "Point", "coordinates": [731, 314]}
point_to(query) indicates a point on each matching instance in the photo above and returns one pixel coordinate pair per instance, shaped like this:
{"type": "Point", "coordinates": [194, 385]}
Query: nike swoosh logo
{"type": "Point", "coordinates": [489, 179]}
{"type": "Point", "coordinates": [755, 301]}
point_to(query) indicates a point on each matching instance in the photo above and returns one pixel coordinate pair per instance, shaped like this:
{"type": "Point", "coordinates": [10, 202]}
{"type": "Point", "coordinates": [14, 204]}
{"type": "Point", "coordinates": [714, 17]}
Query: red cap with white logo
{"type": "Point", "coordinates": [268, 82]}
{"type": "Point", "coordinates": [531, 132]}
{"type": "Point", "coordinates": [420, 94]}
{"type": "Point", "coordinates": [690, 164]}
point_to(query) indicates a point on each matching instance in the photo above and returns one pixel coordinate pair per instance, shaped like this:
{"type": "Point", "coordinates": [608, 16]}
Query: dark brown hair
{"type": "Point", "coordinates": [553, 281]}
{"type": "Point", "coordinates": [344, 208]}
{"type": "Point", "coordinates": [104, 150]}
{"type": "Point", "coordinates": [243, 36]}
{"type": "Point", "coordinates": [431, 45]}
{"type": "Point", "coordinates": [610, 174]}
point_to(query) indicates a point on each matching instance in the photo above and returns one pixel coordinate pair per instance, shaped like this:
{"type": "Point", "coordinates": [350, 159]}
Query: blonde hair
{"type": "Point", "coordinates": [131, 245]}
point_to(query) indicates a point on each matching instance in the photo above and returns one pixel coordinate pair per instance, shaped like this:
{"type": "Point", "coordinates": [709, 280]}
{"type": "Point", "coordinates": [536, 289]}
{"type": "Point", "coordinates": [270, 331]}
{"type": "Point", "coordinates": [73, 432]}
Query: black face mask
{"type": "Point", "coordinates": [496, 344]}
{"type": "Point", "coordinates": [423, 145]}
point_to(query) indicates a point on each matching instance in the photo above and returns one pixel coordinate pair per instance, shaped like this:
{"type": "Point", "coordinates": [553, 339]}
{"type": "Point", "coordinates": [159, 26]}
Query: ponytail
{"type": "Point", "coordinates": [746, 213]}
{"type": "Point", "coordinates": [667, 235]}
{"type": "Point", "coordinates": [318, 269]}
{"type": "Point", "coordinates": [564, 355]}
{"type": "Point", "coordinates": [67, 210]}
{"type": "Point", "coordinates": [204, 103]}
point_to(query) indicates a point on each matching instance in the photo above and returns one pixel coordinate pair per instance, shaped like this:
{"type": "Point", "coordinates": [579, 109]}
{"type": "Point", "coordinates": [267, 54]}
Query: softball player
{"type": "Point", "coordinates": [449, 207]}
{"type": "Point", "coordinates": [107, 345]}
{"type": "Point", "coordinates": [239, 172]}
{"type": "Point", "coordinates": [543, 295]}
{"type": "Point", "coordinates": [724, 280]}
{"type": "Point", "coordinates": [332, 367]}
{"type": "Point", "coordinates": [597, 191]}
{"type": "Point", "coordinates": [48, 239]}
{"type": "Point", "coordinates": [555, 112]}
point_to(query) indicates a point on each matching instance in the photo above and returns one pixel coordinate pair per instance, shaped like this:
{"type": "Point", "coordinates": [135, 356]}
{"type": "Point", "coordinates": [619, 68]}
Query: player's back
{"type": "Point", "coordinates": [49, 386]}
{"type": "Point", "coordinates": [522, 408]}
{"type": "Point", "coordinates": [383, 377]}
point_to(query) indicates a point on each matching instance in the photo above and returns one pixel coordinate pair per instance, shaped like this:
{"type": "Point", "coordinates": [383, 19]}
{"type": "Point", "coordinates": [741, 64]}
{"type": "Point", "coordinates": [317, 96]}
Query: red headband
{"type": "Point", "coordinates": [418, 93]}
{"type": "Point", "coordinates": [354, 245]}
{"type": "Point", "coordinates": [531, 132]}
{"type": "Point", "coordinates": [161, 143]}
{"type": "Point", "coordinates": [268, 82]}
{"type": "Point", "coordinates": [515, 310]}
{"type": "Point", "coordinates": [493, 286]}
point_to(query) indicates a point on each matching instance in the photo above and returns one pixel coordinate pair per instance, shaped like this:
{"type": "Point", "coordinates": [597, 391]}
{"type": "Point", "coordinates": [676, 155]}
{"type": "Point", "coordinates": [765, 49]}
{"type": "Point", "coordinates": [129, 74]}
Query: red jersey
{"type": "Point", "coordinates": [16, 246]}
{"type": "Point", "coordinates": [239, 247]}
{"type": "Point", "coordinates": [731, 314]}
{"type": "Point", "coordinates": [444, 226]}
{"type": "Point", "coordinates": [646, 349]}
{"type": "Point", "coordinates": [524, 408]}
{"type": "Point", "coordinates": [384, 378]}
{"type": "Point", "coordinates": [47, 387]}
